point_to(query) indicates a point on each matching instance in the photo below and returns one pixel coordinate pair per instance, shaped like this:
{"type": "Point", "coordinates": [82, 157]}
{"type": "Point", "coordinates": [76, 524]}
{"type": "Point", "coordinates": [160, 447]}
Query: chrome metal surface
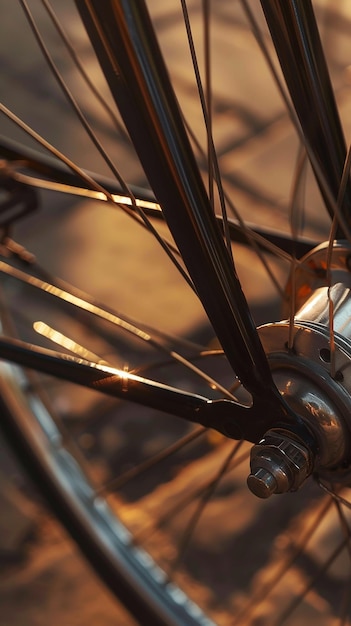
{"type": "Point", "coordinates": [312, 400]}
{"type": "Point", "coordinates": [262, 483]}
{"type": "Point", "coordinates": [304, 379]}
{"type": "Point", "coordinates": [278, 464]}
{"type": "Point", "coordinates": [311, 367]}
{"type": "Point", "coordinates": [311, 274]}
{"type": "Point", "coordinates": [313, 375]}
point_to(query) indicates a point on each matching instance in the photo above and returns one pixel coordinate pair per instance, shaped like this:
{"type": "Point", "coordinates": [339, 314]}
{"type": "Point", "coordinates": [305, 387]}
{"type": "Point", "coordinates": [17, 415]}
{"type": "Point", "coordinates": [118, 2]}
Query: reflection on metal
{"type": "Point", "coordinates": [227, 417]}
{"type": "Point", "coordinates": [65, 342]}
{"type": "Point", "coordinates": [40, 170]}
{"type": "Point", "coordinates": [279, 464]}
{"type": "Point", "coordinates": [314, 376]}
{"type": "Point", "coordinates": [90, 182]}
{"type": "Point", "coordinates": [96, 310]}
{"type": "Point", "coordinates": [315, 270]}
{"type": "Point", "coordinates": [76, 301]}
{"type": "Point", "coordinates": [83, 192]}
{"type": "Point", "coordinates": [280, 244]}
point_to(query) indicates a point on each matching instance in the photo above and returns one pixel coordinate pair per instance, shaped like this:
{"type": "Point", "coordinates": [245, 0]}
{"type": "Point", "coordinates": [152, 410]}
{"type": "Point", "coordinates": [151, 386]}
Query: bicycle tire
{"type": "Point", "coordinates": [149, 601]}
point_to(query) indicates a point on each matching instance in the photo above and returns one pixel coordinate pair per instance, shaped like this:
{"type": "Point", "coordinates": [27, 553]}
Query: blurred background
{"type": "Point", "coordinates": [43, 579]}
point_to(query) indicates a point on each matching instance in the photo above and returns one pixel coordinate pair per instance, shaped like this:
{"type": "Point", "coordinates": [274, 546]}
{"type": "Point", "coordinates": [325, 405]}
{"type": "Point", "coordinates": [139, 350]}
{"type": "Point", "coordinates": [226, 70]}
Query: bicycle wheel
{"type": "Point", "coordinates": [161, 506]}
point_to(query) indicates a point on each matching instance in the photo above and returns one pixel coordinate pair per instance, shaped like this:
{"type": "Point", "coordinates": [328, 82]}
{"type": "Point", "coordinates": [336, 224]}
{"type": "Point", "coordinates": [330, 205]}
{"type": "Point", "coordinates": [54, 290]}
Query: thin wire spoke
{"type": "Point", "coordinates": [188, 498]}
{"type": "Point", "coordinates": [212, 155]}
{"type": "Point", "coordinates": [209, 379]}
{"type": "Point", "coordinates": [322, 570]}
{"type": "Point", "coordinates": [70, 97]}
{"type": "Point", "coordinates": [96, 142]}
{"type": "Point", "coordinates": [121, 481]}
{"type": "Point", "coordinates": [80, 67]}
{"type": "Point", "coordinates": [82, 192]}
{"type": "Point", "coordinates": [296, 225]}
{"type": "Point", "coordinates": [89, 181]}
{"type": "Point", "coordinates": [204, 500]}
{"type": "Point", "coordinates": [33, 384]}
{"type": "Point", "coordinates": [206, 11]}
{"type": "Point", "coordinates": [333, 230]}
{"type": "Point", "coordinates": [334, 495]}
{"type": "Point", "coordinates": [103, 194]}
{"type": "Point", "coordinates": [96, 310]}
{"type": "Point", "coordinates": [256, 598]}
{"type": "Point", "coordinates": [341, 195]}
{"type": "Point", "coordinates": [115, 317]}
{"type": "Point", "coordinates": [317, 169]}
{"type": "Point", "coordinates": [257, 241]}
{"type": "Point", "coordinates": [67, 343]}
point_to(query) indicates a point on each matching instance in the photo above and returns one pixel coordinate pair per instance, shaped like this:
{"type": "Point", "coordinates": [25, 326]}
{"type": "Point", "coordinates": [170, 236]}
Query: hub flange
{"type": "Point", "coordinates": [310, 361]}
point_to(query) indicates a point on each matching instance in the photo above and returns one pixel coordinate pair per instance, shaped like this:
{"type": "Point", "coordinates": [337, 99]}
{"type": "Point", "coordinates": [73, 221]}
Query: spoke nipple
{"type": "Point", "coordinates": [262, 483]}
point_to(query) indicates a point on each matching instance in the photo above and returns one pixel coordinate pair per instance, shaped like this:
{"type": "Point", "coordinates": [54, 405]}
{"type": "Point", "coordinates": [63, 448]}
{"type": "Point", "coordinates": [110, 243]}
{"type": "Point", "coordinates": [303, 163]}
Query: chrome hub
{"type": "Point", "coordinates": [311, 367]}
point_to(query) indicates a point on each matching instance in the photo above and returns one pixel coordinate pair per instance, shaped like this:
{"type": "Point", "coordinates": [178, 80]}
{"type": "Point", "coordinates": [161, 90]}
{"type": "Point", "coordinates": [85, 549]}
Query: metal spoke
{"type": "Point", "coordinates": [141, 468]}
{"type": "Point", "coordinates": [257, 597]}
{"type": "Point", "coordinates": [189, 531]}
{"type": "Point", "coordinates": [89, 306]}
{"type": "Point", "coordinates": [328, 195]}
{"type": "Point", "coordinates": [334, 495]}
{"type": "Point", "coordinates": [96, 142]}
{"type": "Point", "coordinates": [212, 155]}
{"type": "Point", "coordinates": [80, 67]}
{"type": "Point", "coordinates": [187, 499]}
{"type": "Point", "coordinates": [297, 601]}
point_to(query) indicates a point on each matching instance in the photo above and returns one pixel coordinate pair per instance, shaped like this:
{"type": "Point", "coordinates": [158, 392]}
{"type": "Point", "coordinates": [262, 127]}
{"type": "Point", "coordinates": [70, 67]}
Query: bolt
{"type": "Point", "coordinates": [279, 464]}
{"type": "Point", "coordinates": [262, 483]}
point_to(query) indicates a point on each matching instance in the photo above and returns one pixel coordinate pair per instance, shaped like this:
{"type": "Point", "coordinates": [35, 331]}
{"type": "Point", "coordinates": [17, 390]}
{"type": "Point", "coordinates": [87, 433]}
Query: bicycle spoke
{"type": "Point", "coordinates": [297, 548]}
{"type": "Point", "coordinates": [189, 531]}
{"type": "Point", "coordinates": [334, 495]}
{"type": "Point", "coordinates": [68, 344]}
{"type": "Point", "coordinates": [206, 4]}
{"type": "Point", "coordinates": [139, 216]}
{"type": "Point", "coordinates": [167, 494]}
{"type": "Point", "coordinates": [80, 66]}
{"type": "Point", "coordinates": [328, 195]}
{"type": "Point", "coordinates": [212, 156]}
{"type": "Point", "coordinates": [90, 182]}
{"type": "Point", "coordinates": [186, 499]}
{"type": "Point", "coordinates": [295, 603]}
{"type": "Point", "coordinates": [325, 135]}
{"type": "Point", "coordinates": [90, 307]}
{"type": "Point", "coordinates": [134, 472]}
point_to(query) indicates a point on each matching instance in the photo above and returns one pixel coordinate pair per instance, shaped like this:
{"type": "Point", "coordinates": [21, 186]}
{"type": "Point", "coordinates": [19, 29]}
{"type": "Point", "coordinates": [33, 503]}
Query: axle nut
{"type": "Point", "coordinates": [279, 464]}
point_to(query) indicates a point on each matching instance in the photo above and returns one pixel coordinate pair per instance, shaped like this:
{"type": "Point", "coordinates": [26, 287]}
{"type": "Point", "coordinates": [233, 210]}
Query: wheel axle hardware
{"type": "Point", "coordinates": [314, 383]}
{"type": "Point", "coordinates": [278, 464]}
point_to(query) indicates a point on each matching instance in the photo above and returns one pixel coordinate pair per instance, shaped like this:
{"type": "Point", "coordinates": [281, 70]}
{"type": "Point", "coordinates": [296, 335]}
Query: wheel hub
{"type": "Point", "coordinates": [311, 367]}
